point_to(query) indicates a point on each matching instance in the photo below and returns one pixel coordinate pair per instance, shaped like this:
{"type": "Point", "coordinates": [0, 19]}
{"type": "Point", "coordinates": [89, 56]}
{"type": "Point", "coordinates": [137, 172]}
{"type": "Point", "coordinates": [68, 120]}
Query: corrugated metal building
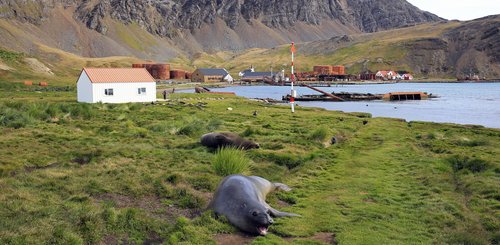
{"type": "Point", "coordinates": [329, 70]}
{"type": "Point", "coordinates": [210, 75]}
{"type": "Point", "coordinates": [256, 76]}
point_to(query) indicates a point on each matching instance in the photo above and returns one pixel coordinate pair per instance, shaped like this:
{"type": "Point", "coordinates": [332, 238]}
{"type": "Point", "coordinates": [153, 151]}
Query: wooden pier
{"type": "Point", "coordinates": [202, 90]}
{"type": "Point", "coordinates": [406, 96]}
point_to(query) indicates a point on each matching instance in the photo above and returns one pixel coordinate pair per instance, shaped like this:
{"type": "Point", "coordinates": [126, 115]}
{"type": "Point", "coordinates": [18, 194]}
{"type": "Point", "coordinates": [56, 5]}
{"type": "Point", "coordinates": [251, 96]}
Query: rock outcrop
{"type": "Point", "coordinates": [473, 48]}
{"type": "Point", "coordinates": [166, 18]}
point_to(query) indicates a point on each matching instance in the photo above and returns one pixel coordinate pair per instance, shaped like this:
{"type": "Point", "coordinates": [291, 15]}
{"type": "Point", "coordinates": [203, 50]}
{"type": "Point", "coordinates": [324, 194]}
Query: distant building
{"type": "Point", "coordinates": [368, 76]}
{"type": "Point", "coordinates": [257, 76]}
{"type": "Point", "coordinates": [242, 73]}
{"type": "Point", "coordinates": [387, 75]}
{"type": "Point", "coordinates": [407, 76]}
{"type": "Point", "coordinates": [323, 69]}
{"type": "Point", "coordinates": [116, 85]}
{"type": "Point", "coordinates": [328, 70]}
{"type": "Point", "coordinates": [208, 75]}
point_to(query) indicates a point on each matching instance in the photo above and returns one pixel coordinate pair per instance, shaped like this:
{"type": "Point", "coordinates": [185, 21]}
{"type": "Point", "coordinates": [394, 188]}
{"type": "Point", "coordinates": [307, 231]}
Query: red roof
{"type": "Point", "coordinates": [118, 75]}
{"type": "Point", "coordinates": [383, 73]}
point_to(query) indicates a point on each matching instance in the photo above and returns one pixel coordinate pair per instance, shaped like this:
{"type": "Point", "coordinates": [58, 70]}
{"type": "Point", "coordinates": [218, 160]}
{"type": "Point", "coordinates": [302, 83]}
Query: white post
{"type": "Point", "coordinates": [292, 77]}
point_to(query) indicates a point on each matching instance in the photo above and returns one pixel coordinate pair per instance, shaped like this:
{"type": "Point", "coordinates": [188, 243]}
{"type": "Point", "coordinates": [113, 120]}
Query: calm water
{"type": "Point", "coordinates": [463, 103]}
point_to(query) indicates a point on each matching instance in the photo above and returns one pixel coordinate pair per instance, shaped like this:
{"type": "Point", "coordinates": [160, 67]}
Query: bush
{"type": "Point", "coordinates": [474, 165]}
{"type": "Point", "coordinates": [14, 118]}
{"type": "Point", "coordinates": [471, 143]}
{"type": "Point", "coordinates": [160, 127]}
{"type": "Point", "coordinates": [85, 157]}
{"type": "Point", "coordinates": [230, 161]}
{"type": "Point", "coordinates": [283, 159]}
{"type": "Point", "coordinates": [214, 124]}
{"type": "Point", "coordinates": [185, 199]}
{"type": "Point", "coordinates": [90, 226]}
{"type": "Point", "coordinates": [191, 127]}
{"type": "Point", "coordinates": [467, 238]}
{"type": "Point", "coordinates": [19, 115]}
{"type": "Point", "coordinates": [248, 132]}
{"type": "Point", "coordinates": [63, 236]}
{"type": "Point", "coordinates": [203, 183]}
{"type": "Point", "coordinates": [319, 134]}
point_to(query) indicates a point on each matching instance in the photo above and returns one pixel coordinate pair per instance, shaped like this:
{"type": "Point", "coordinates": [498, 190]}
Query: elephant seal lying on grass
{"type": "Point", "coordinates": [242, 200]}
{"type": "Point", "coordinates": [216, 140]}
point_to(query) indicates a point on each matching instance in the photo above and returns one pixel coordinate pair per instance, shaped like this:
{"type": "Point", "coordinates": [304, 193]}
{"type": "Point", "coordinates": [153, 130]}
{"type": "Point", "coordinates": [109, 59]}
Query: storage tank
{"type": "Point", "coordinates": [158, 71]}
{"type": "Point", "coordinates": [323, 69]}
{"type": "Point", "coordinates": [177, 74]}
{"type": "Point", "coordinates": [340, 70]}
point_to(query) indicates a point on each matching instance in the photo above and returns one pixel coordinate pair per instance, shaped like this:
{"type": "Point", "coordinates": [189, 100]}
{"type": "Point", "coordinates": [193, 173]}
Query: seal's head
{"type": "Point", "coordinates": [247, 145]}
{"type": "Point", "coordinates": [258, 221]}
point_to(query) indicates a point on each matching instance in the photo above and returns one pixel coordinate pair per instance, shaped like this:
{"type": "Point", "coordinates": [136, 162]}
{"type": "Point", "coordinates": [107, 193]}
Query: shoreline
{"type": "Point", "coordinates": [255, 94]}
{"type": "Point", "coordinates": [184, 86]}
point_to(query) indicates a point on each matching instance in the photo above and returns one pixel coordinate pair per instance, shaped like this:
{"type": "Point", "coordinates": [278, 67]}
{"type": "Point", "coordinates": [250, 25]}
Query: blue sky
{"type": "Point", "coordinates": [459, 9]}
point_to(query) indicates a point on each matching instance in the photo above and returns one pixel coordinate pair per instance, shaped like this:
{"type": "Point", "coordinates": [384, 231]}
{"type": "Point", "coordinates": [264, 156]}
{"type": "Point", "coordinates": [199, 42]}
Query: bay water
{"type": "Point", "coordinates": [461, 103]}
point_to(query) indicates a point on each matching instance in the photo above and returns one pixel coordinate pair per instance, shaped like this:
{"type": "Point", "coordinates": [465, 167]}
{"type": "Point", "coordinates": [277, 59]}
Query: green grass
{"type": "Point", "coordinates": [87, 174]}
{"type": "Point", "coordinates": [9, 56]}
{"type": "Point", "coordinates": [230, 161]}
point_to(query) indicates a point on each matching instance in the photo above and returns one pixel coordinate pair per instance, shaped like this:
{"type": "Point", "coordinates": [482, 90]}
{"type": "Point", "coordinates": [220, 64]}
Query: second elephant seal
{"type": "Point", "coordinates": [227, 139]}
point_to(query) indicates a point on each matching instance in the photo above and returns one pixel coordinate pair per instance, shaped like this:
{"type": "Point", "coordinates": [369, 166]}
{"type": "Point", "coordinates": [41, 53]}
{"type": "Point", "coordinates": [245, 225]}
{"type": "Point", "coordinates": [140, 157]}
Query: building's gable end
{"type": "Point", "coordinates": [84, 88]}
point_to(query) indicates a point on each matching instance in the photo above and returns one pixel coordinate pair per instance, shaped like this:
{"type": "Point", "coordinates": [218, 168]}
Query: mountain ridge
{"type": "Point", "coordinates": [235, 21]}
{"type": "Point", "coordinates": [444, 49]}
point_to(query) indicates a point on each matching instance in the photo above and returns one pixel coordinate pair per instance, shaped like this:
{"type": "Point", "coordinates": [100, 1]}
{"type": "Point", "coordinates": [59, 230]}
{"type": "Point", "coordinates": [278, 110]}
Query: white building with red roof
{"type": "Point", "coordinates": [387, 75]}
{"type": "Point", "coordinates": [116, 85]}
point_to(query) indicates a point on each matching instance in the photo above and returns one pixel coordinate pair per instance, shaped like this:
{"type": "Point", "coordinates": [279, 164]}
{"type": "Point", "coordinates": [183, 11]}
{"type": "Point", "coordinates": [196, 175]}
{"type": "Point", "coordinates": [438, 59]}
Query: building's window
{"type": "Point", "coordinates": [141, 91]}
{"type": "Point", "coordinates": [108, 91]}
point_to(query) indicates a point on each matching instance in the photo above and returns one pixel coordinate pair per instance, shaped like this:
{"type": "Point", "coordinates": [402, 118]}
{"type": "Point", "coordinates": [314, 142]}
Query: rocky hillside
{"type": "Point", "coordinates": [447, 49]}
{"type": "Point", "coordinates": [366, 16]}
{"type": "Point", "coordinates": [471, 48]}
{"type": "Point", "coordinates": [195, 25]}
{"type": "Point", "coordinates": [364, 35]}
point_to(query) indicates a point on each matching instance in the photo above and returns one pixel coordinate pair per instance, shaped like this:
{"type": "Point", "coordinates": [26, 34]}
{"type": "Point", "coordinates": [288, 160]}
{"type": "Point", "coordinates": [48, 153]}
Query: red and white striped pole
{"type": "Point", "coordinates": [292, 79]}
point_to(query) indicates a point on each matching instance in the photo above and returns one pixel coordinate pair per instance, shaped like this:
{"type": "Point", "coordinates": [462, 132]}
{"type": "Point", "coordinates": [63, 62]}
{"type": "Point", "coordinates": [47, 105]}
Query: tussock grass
{"type": "Point", "coordinates": [195, 126]}
{"type": "Point", "coordinates": [320, 134]}
{"type": "Point", "coordinates": [472, 164]}
{"type": "Point", "coordinates": [230, 161]}
{"type": "Point", "coordinates": [19, 115]}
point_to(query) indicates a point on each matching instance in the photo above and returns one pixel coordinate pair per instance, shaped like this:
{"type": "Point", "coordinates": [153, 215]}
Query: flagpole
{"type": "Point", "coordinates": [292, 96]}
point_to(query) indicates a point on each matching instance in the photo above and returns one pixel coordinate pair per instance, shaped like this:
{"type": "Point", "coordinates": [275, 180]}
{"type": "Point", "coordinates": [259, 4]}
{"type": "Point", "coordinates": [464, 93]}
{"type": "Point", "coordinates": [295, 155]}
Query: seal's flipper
{"type": "Point", "coordinates": [275, 213]}
{"type": "Point", "coordinates": [281, 187]}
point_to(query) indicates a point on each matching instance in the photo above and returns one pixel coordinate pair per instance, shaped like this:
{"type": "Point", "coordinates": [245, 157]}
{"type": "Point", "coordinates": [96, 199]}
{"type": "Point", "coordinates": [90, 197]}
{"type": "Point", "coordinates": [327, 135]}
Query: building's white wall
{"type": "Point", "coordinates": [124, 92]}
{"type": "Point", "coordinates": [84, 89]}
{"type": "Point", "coordinates": [228, 78]}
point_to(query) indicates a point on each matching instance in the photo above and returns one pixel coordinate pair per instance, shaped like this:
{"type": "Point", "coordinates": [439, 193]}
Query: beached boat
{"type": "Point", "coordinates": [395, 96]}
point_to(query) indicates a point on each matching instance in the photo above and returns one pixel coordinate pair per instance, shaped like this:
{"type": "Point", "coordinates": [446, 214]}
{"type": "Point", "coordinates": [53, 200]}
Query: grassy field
{"type": "Point", "coordinates": [109, 174]}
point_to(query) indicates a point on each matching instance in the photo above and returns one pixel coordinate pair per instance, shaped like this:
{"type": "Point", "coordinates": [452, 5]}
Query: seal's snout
{"type": "Point", "coordinates": [271, 221]}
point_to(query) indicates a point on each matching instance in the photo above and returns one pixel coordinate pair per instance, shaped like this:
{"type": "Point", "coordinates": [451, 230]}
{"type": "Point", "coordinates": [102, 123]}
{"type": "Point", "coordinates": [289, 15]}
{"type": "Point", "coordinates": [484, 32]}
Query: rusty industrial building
{"type": "Point", "coordinates": [328, 70]}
